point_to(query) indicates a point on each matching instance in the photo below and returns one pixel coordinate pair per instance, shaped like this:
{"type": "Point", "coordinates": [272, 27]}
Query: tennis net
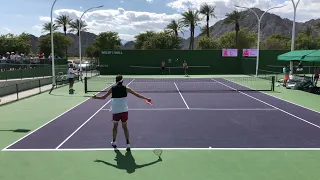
{"type": "Point", "coordinates": [168, 70]}
{"type": "Point", "coordinates": [225, 84]}
{"type": "Point", "coordinates": [276, 74]}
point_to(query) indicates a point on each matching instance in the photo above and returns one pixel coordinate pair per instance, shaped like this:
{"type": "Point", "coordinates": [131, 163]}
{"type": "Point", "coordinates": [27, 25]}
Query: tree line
{"type": "Point", "coordinates": [169, 38]}
{"type": "Point", "coordinates": [20, 43]}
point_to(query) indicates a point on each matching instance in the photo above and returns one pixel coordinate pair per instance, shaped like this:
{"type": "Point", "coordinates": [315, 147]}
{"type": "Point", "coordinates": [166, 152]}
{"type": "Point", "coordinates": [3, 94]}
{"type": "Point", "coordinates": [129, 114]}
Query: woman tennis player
{"type": "Point", "coordinates": [119, 107]}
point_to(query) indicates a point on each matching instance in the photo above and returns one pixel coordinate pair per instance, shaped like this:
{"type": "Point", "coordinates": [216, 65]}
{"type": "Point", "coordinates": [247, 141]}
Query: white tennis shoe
{"type": "Point", "coordinates": [114, 144]}
{"type": "Point", "coordinates": [128, 147]}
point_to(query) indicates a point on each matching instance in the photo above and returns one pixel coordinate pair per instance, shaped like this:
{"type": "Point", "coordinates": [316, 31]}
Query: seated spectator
{"type": "Point", "coordinates": [300, 67]}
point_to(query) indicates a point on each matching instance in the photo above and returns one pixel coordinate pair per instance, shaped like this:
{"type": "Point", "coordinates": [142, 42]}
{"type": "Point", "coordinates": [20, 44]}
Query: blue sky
{"type": "Point", "coordinates": [129, 17]}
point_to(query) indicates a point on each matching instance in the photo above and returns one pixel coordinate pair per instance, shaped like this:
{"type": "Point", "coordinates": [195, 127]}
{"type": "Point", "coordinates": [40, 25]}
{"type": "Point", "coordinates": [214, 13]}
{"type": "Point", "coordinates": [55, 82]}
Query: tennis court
{"type": "Point", "coordinates": [188, 114]}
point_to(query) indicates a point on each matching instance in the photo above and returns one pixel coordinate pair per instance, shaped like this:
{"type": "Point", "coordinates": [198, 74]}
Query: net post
{"type": "Point", "coordinates": [39, 83]}
{"type": "Point", "coordinates": [273, 83]}
{"type": "Point", "coordinates": [17, 90]}
{"type": "Point", "coordinates": [85, 85]}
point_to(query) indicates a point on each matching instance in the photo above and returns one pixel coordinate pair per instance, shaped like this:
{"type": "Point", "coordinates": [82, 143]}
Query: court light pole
{"type": "Point", "coordinates": [293, 35]}
{"type": "Point", "coordinates": [259, 23]}
{"type": "Point", "coordinates": [52, 47]}
{"type": "Point", "coordinates": [79, 30]}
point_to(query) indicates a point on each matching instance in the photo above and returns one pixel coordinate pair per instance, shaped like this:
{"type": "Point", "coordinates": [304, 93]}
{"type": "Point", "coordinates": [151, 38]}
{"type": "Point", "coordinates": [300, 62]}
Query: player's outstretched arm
{"type": "Point", "coordinates": [104, 96]}
{"type": "Point", "coordinates": [138, 95]}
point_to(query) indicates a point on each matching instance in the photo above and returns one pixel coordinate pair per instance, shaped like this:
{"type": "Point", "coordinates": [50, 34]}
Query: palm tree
{"type": "Point", "coordinates": [64, 21]}
{"type": "Point", "coordinates": [190, 19]}
{"type": "Point", "coordinates": [47, 27]}
{"type": "Point", "coordinates": [74, 25]}
{"type": "Point", "coordinates": [318, 26]}
{"type": "Point", "coordinates": [176, 27]}
{"type": "Point", "coordinates": [307, 31]}
{"type": "Point", "coordinates": [207, 11]}
{"type": "Point", "coordinates": [234, 18]}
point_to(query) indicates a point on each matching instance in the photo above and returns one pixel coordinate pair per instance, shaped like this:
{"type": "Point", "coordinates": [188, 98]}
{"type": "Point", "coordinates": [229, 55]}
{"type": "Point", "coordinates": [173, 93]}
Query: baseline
{"type": "Point", "coordinates": [200, 109]}
{"type": "Point", "coordinates": [170, 149]}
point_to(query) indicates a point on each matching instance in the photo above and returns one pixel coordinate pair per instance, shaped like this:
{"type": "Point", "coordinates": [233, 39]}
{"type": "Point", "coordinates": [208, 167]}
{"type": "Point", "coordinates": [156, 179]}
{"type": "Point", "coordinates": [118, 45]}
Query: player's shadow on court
{"type": "Point", "coordinates": [15, 130]}
{"type": "Point", "coordinates": [127, 162]}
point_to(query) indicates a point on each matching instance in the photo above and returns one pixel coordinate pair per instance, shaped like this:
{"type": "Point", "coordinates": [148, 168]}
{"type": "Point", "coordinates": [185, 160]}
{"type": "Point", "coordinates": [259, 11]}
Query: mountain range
{"type": "Point", "coordinates": [270, 24]}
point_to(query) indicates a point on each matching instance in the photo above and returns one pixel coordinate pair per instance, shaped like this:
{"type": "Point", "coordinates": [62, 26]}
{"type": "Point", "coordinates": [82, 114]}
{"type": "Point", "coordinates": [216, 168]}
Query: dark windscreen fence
{"type": "Point", "coordinates": [143, 62]}
{"type": "Point", "coordinates": [201, 62]}
{"type": "Point", "coordinates": [148, 70]}
{"type": "Point", "coordinates": [307, 68]}
{"type": "Point", "coordinates": [222, 84]}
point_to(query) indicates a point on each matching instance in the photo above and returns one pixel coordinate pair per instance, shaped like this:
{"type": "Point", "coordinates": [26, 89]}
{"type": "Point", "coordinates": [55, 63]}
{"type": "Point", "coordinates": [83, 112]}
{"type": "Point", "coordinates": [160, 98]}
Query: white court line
{"type": "Point", "coordinates": [181, 95]}
{"type": "Point", "coordinates": [277, 97]}
{"type": "Point", "coordinates": [86, 122]}
{"type": "Point", "coordinates": [169, 82]}
{"type": "Point", "coordinates": [235, 109]}
{"type": "Point", "coordinates": [200, 109]}
{"type": "Point", "coordinates": [82, 125]}
{"type": "Point", "coordinates": [301, 119]}
{"type": "Point", "coordinates": [171, 149]}
{"type": "Point", "coordinates": [152, 109]}
{"type": "Point", "coordinates": [47, 123]}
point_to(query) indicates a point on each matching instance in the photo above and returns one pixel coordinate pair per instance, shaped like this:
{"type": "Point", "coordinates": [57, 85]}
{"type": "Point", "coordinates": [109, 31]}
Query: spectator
{"type": "Point", "coordinates": [300, 67]}
{"type": "Point", "coordinates": [2, 63]}
{"type": "Point", "coordinates": [42, 56]}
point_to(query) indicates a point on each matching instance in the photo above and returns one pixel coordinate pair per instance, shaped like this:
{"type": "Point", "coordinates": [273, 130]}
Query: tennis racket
{"type": "Point", "coordinates": [149, 102]}
{"type": "Point", "coordinates": [158, 152]}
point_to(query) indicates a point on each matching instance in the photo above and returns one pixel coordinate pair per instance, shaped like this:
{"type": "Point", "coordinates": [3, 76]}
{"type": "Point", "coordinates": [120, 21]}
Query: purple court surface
{"type": "Point", "coordinates": [238, 119]}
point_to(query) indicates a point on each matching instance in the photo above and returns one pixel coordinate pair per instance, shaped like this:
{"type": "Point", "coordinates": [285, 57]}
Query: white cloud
{"type": "Point", "coordinates": [126, 23]}
{"type": "Point", "coordinates": [149, 1]}
{"type": "Point", "coordinates": [129, 23]}
{"type": "Point", "coordinates": [37, 27]}
{"type": "Point", "coordinates": [7, 29]}
{"type": "Point", "coordinates": [307, 9]}
{"type": "Point", "coordinates": [43, 18]}
{"type": "Point", "coordinates": [127, 37]}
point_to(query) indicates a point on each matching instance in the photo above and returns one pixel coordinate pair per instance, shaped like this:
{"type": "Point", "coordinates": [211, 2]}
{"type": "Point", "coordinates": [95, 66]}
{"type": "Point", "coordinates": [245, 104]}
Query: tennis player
{"type": "Point", "coordinates": [71, 74]}
{"type": "Point", "coordinates": [119, 107]}
{"type": "Point", "coordinates": [185, 67]}
{"type": "Point", "coordinates": [163, 67]}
